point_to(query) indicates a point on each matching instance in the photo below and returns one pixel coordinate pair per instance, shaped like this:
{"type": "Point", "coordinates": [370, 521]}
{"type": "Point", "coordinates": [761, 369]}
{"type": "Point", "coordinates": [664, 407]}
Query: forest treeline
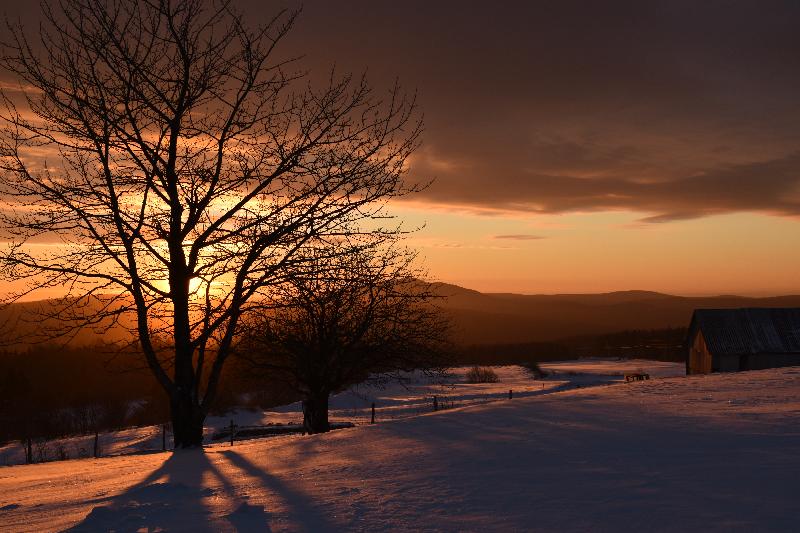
{"type": "Point", "coordinates": [52, 391]}
{"type": "Point", "coordinates": [665, 344]}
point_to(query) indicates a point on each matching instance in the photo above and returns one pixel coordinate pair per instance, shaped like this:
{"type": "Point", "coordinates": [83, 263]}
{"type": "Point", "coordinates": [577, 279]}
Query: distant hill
{"type": "Point", "coordinates": [26, 323]}
{"type": "Point", "coordinates": [497, 318]}
{"type": "Point", "coordinates": [490, 318]}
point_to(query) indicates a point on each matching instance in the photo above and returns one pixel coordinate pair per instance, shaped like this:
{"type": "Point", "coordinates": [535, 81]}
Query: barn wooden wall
{"type": "Point", "coordinates": [699, 356]}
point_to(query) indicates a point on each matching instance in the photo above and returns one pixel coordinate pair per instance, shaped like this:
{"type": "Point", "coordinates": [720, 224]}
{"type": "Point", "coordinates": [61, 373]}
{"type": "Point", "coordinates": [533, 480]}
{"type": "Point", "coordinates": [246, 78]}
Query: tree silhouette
{"type": "Point", "coordinates": [355, 314]}
{"type": "Point", "coordinates": [178, 167]}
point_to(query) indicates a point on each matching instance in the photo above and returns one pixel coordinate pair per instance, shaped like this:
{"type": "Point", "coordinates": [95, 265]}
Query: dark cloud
{"type": "Point", "coordinates": [672, 108]}
{"type": "Point", "coordinates": [675, 109]}
{"type": "Point", "coordinates": [770, 186]}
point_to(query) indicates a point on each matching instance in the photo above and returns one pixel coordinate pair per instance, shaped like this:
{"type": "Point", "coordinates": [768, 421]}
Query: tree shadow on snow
{"type": "Point", "coordinates": [302, 511]}
{"type": "Point", "coordinates": [172, 498]}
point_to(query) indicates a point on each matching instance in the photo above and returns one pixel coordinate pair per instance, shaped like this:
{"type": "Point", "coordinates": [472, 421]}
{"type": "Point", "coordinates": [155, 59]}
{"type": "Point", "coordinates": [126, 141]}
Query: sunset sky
{"type": "Point", "coordinates": [588, 146]}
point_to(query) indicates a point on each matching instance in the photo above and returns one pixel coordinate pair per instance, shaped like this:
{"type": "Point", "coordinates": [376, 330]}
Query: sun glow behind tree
{"type": "Point", "coordinates": [193, 166]}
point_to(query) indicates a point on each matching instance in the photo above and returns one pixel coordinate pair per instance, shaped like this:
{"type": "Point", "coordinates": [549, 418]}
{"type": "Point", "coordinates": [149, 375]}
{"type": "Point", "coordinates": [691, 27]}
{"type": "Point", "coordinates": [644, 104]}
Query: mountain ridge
{"type": "Point", "coordinates": [497, 318]}
{"type": "Point", "coordinates": [507, 318]}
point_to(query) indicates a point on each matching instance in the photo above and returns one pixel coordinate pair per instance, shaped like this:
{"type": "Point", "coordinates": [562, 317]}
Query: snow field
{"type": "Point", "coordinates": [393, 400]}
{"type": "Point", "coordinates": [714, 453]}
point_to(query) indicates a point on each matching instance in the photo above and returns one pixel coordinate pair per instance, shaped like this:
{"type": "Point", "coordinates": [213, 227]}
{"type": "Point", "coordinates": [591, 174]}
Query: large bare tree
{"type": "Point", "coordinates": [176, 168]}
{"type": "Point", "coordinates": [362, 314]}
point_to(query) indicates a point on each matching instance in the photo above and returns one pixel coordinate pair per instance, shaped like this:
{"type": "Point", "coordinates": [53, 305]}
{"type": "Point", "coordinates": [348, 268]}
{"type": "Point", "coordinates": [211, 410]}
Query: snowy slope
{"type": "Point", "coordinates": [393, 400]}
{"type": "Point", "coordinates": [673, 454]}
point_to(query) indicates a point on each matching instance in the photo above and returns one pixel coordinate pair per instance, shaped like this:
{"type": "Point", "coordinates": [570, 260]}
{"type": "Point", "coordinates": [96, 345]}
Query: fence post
{"type": "Point", "coordinates": [373, 413]}
{"type": "Point", "coordinates": [164, 438]}
{"type": "Point", "coordinates": [232, 426]}
{"type": "Point", "coordinates": [510, 395]}
{"type": "Point", "coordinates": [435, 403]}
{"type": "Point", "coordinates": [96, 447]}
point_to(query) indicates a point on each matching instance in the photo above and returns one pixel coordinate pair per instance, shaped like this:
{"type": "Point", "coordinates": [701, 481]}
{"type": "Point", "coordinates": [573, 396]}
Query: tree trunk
{"type": "Point", "coordinates": [187, 421]}
{"type": "Point", "coordinates": [315, 412]}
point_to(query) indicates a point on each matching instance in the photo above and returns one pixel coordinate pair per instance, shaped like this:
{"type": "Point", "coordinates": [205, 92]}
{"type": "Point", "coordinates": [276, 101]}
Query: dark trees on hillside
{"type": "Point", "coordinates": [177, 166]}
{"type": "Point", "coordinates": [360, 313]}
{"type": "Point", "coordinates": [48, 392]}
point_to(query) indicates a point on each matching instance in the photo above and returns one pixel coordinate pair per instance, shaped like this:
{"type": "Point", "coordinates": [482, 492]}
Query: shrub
{"type": "Point", "coordinates": [61, 453]}
{"type": "Point", "coordinates": [481, 374]}
{"type": "Point", "coordinates": [535, 370]}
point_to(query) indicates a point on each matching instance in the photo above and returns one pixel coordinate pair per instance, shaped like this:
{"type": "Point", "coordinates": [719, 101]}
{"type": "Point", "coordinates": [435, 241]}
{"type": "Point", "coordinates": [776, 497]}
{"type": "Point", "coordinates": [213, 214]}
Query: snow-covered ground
{"type": "Point", "coordinates": [718, 452]}
{"type": "Point", "coordinates": [393, 400]}
{"type": "Point", "coordinates": [415, 394]}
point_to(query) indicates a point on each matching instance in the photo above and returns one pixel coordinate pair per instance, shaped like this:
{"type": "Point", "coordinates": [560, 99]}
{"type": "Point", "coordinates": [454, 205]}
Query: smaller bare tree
{"type": "Point", "coordinates": [354, 315]}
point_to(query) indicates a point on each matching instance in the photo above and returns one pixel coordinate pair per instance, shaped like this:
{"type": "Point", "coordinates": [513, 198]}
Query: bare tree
{"type": "Point", "coordinates": [177, 168]}
{"type": "Point", "coordinates": [356, 314]}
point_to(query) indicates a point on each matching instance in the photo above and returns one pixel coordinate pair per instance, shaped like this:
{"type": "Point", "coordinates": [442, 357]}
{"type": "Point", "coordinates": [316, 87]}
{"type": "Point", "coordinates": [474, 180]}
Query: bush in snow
{"type": "Point", "coordinates": [61, 453]}
{"type": "Point", "coordinates": [535, 370]}
{"type": "Point", "coordinates": [481, 374]}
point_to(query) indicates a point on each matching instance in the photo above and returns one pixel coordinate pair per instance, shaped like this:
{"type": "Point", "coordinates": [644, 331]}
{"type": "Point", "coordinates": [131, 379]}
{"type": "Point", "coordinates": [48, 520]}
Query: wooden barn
{"type": "Point", "coordinates": [731, 340]}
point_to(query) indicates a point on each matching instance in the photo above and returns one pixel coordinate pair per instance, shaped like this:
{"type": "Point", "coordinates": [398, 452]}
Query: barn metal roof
{"type": "Point", "coordinates": [749, 330]}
